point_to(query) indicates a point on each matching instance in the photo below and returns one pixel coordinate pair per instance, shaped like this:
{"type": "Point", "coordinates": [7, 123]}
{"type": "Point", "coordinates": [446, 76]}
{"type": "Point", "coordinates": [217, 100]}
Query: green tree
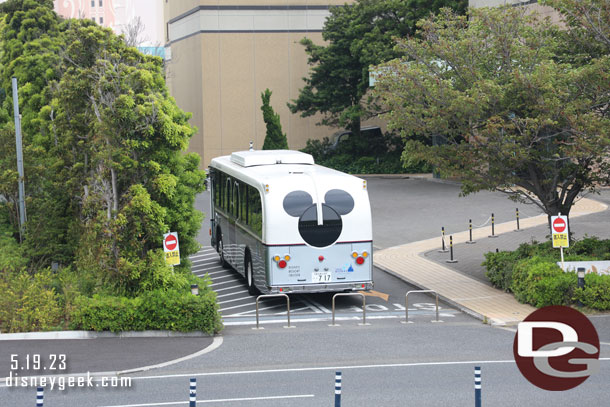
{"type": "Point", "coordinates": [122, 141]}
{"type": "Point", "coordinates": [588, 24]}
{"type": "Point", "coordinates": [511, 116]}
{"type": "Point", "coordinates": [357, 36]}
{"type": "Point", "coordinates": [275, 139]}
{"type": "Point", "coordinates": [106, 172]}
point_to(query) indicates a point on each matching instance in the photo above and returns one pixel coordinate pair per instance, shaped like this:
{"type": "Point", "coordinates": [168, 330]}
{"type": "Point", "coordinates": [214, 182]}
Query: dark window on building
{"type": "Point", "coordinates": [93, 19]}
{"type": "Point", "coordinates": [92, 3]}
{"type": "Point", "coordinates": [101, 4]}
{"type": "Point", "coordinates": [101, 20]}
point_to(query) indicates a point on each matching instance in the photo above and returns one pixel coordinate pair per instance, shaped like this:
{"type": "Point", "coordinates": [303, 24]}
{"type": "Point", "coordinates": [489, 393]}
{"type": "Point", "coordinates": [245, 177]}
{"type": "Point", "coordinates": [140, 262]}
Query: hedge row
{"type": "Point", "coordinates": [532, 274]}
{"type": "Point", "coordinates": [157, 310]}
{"type": "Point", "coordinates": [47, 301]}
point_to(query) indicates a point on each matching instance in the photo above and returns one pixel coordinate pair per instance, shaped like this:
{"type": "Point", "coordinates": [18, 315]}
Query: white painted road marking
{"type": "Point", "coordinates": [335, 368]}
{"type": "Point", "coordinates": [181, 403]}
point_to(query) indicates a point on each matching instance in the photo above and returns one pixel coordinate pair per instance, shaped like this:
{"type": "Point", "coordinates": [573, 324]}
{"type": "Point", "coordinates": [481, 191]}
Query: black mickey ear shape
{"type": "Point", "coordinates": [340, 201]}
{"type": "Point", "coordinates": [296, 202]}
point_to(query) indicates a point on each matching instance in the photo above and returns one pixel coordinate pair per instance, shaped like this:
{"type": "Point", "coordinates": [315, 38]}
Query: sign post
{"type": "Point", "coordinates": [171, 248]}
{"type": "Point", "coordinates": [559, 231]}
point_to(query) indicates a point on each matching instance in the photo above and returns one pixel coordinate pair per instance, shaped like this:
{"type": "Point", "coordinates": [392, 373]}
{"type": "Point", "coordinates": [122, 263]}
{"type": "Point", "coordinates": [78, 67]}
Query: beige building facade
{"type": "Point", "coordinates": [532, 5]}
{"type": "Point", "coordinates": [222, 54]}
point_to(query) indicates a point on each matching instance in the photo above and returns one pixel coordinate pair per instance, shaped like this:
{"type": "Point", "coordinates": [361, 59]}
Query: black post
{"type": "Point", "coordinates": [581, 281]}
{"type": "Point", "coordinates": [338, 389]}
{"type": "Point", "coordinates": [193, 392]}
{"type": "Point", "coordinates": [477, 386]}
{"type": "Point", "coordinates": [493, 230]}
{"type": "Point", "coordinates": [39, 396]}
{"type": "Point", "coordinates": [451, 260]}
{"type": "Point", "coordinates": [444, 249]}
{"type": "Point", "coordinates": [517, 212]}
{"type": "Point", "coordinates": [470, 241]}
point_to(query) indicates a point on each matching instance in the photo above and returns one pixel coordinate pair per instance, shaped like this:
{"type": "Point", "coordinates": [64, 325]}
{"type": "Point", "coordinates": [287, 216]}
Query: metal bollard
{"type": "Point", "coordinates": [39, 396]}
{"type": "Point", "coordinates": [493, 229]}
{"type": "Point", "coordinates": [444, 249]}
{"type": "Point", "coordinates": [193, 393]}
{"type": "Point", "coordinates": [338, 389]}
{"type": "Point", "coordinates": [347, 295]}
{"type": "Point", "coordinates": [477, 386]}
{"type": "Point", "coordinates": [406, 321]}
{"type": "Point", "coordinates": [451, 260]}
{"type": "Point", "coordinates": [517, 215]}
{"type": "Point", "coordinates": [470, 241]}
{"type": "Point", "coordinates": [271, 296]}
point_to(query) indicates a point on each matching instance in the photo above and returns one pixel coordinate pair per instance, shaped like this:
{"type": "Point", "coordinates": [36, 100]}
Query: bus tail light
{"type": "Point", "coordinates": [360, 257]}
{"type": "Point", "coordinates": [282, 261]}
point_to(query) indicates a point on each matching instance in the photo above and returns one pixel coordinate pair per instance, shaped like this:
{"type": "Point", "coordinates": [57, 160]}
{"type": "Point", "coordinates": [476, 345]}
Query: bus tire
{"type": "Point", "coordinates": [220, 250]}
{"type": "Point", "coordinates": [249, 275]}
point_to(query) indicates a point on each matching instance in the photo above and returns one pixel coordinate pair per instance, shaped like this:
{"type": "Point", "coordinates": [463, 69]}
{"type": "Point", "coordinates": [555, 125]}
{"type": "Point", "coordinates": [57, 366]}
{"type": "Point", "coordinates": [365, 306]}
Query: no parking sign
{"type": "Point", "coordinates": [171, 248]}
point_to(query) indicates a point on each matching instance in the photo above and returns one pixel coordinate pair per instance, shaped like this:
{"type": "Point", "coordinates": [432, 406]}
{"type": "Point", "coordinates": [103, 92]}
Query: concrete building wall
{"type": "Point", "coordinates": [532, 5]}
{"type": "Point", "coordinates": [224, 54]}
{"type": "Point", "coordinates": [117, 14]}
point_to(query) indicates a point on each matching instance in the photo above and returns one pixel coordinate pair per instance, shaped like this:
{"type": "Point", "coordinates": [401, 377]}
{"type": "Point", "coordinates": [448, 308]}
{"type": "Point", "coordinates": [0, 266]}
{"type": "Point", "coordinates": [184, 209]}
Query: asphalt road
{"type": "Point", "coordinates": [385, 363]}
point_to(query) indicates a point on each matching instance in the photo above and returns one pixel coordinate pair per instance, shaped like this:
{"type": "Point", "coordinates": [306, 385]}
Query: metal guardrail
{"type": "Point", "coordinates": [347, 295]}
{"type": "Point", "coordinates": [270, 296]}
{"type": "Point", "coordinates": [407, 305]}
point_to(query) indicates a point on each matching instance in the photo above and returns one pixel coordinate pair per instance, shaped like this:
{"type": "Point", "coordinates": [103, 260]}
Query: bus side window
{"type": "Point", "coordinates": [235, 212]}
{"type": "Point", "coordinates": [216, 188]}
{"type": "Point", "coordinates": [221, 191]}
{"type": "Point", "coordinates": [243, 202]}
{"type": "Point", "coordinates": [228, 198]}
{"type": "Point", "coordinates": [255, 212]}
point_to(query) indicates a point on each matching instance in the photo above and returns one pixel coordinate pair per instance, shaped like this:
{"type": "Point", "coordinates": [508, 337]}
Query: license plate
{"type": "Point", "coordinates": [319, 277]}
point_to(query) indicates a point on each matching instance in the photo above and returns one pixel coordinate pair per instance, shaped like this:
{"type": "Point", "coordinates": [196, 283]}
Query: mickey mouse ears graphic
{"type": "Point", "coordinates": [336, 204]}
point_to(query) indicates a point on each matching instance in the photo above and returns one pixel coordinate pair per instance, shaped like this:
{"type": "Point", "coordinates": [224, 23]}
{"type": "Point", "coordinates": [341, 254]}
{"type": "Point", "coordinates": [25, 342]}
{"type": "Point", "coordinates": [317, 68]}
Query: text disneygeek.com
{"type": "Point", "coordinates": [65, 382]}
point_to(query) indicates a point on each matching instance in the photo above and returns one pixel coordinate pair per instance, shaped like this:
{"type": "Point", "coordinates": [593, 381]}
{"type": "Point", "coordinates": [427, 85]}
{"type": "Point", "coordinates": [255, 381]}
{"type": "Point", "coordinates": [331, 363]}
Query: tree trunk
{"type": "Point", "coordinates": [115, 192]}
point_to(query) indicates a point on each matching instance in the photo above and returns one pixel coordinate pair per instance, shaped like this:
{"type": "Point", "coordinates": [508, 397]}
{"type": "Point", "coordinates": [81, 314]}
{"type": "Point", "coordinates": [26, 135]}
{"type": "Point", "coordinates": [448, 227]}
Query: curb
{"type": "Point", "coordinates": [62, 335]}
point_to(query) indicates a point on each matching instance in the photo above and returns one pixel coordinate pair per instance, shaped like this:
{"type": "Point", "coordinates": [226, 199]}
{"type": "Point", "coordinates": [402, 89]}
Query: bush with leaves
{"type": "Point", "coordinates": [596, 294]}
{"type": "Point", "coordinates": [28, 302]}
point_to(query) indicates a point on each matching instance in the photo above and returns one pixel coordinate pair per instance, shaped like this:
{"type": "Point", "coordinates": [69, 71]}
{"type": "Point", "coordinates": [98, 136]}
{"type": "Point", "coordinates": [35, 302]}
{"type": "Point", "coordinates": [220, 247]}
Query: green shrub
{"type": "Point", "coordinates": [156, 310]}
{"type": "Point", "coordinates": [500, 268]}
{"type": "Point", "coordinates": [596, 294]}
{"type": "Point", "coordinates": [28, 302]}
{"type": "Point", "coordinates": [180, 311]}
{"type": "Point", "coordinates": [540, 282]}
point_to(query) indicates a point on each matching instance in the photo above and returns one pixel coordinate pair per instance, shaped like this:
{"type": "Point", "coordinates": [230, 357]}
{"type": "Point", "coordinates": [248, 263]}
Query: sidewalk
{"type": "Point", "coordinates": [466, 293]}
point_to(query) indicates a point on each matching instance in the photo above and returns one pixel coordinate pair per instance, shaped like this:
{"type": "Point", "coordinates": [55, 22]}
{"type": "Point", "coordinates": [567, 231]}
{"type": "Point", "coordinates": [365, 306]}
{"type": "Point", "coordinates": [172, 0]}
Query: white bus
{"type": "Point", "coordinates": [290, 226]}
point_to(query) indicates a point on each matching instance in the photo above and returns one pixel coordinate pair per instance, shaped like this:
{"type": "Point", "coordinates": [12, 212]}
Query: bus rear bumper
{"type": "Point", "coordinates": [320, 288]}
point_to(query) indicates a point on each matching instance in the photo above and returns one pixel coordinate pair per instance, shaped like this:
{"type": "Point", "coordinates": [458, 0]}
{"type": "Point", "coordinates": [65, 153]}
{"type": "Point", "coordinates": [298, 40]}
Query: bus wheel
{"type": "Point", "coordinates": [220, 250]}
{"type": "Point", "coordinates": [249, 276]}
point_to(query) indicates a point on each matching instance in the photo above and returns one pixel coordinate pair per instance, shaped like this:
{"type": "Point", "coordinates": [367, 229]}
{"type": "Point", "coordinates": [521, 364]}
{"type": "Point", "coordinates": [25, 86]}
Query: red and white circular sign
{"type": "Point", "coordinates": [170, 242]}
{"type": "Point", "coordinates": [556, 348]}
{"type": "Point", "coordinates": [559, 225]}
